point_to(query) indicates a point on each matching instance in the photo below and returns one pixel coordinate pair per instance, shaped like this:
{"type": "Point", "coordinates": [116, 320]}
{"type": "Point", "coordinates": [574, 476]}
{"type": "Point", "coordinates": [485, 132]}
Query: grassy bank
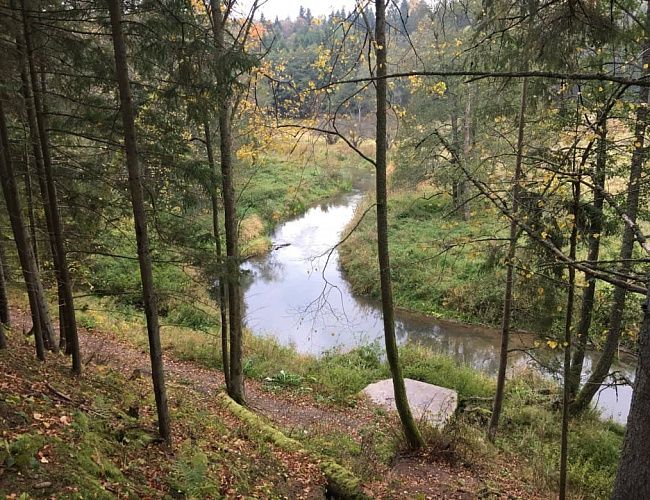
{"type": "Point", "coordinates": [285, 180]}
{"type": "Point", "coordinates": [529, 436]}
{"type": "Point", "coordinates": [95, 437]}
{"type": "Point", "coordinates": [447, 267]}
{"type": "Point", "coordinates": [280, 183]}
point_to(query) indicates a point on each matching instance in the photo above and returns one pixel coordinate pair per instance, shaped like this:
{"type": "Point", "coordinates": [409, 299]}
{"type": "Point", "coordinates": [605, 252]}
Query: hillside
{"type": "Point", "coordinates": [95, 437]}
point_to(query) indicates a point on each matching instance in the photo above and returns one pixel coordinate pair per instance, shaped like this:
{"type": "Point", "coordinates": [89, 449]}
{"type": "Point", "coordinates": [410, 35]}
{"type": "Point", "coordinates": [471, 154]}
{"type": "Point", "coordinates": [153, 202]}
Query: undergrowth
{"type": "Point", "coordinates": [96, 437]}
{"type": "Point", "coordinates": [529, 433]}
{"type": "Point", "coordinates": [447, 267]}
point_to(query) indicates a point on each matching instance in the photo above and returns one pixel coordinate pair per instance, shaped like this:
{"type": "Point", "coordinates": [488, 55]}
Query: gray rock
{"type": "Point", "coordinates": [428, 402]}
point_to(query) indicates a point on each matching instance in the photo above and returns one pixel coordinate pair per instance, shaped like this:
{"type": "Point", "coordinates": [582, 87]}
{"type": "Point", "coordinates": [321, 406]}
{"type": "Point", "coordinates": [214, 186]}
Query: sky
{"type": "Point", "coordinates": [289, 8]}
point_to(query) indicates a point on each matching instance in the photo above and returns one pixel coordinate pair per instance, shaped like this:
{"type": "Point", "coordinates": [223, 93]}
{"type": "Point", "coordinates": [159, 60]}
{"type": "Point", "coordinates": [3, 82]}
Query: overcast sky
{"type": "Point", "coordinates": [289, 8]}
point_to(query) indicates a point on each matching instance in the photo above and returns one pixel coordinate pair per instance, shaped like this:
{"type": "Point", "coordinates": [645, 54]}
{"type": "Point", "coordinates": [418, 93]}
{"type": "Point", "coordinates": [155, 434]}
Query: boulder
{"type": "Point", "coordinates": [428, 402]}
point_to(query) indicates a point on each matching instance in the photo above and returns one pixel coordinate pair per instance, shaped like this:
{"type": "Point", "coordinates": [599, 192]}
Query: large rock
{"type": "Point", "coordinates": [429, 402]}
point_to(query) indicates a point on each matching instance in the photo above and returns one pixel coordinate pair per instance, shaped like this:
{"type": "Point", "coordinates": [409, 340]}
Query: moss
{"type": "Point", "coordinates": [341, 483]}
{"type": "Point", "coordinates": [22, 451]}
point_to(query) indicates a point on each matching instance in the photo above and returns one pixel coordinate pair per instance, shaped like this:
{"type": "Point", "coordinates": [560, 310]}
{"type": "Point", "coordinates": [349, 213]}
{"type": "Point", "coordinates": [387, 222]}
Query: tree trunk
{"type": "Point", "coordinates": [600, 372]}
{"type": "Point", "coordinates": [236, 389]}
{"type": "Point", "coordinates": [465, 192]}
{"type": "Point", "coordinates": [223, 296]}
{"type": "Point", "coordinates": [140, 220]}
{"type": "Point", "coordinates": [5, 316]}
{"type": "Point", "coordinates": [4, 303]}
{"type": "Point", "coordinates": [3, 337]}
{"type": "Point", "coordinates": [35, 97]}
{"type": "Point", "coordinates": [35, 293]}
{"type": "Point", "coordinates": [30, 207]}
{"type": "Point", "coordinates": [413, 436]}
{"type": "Point", "coordinates": [512, 247]}
{"type": "Point", "coordinates": [633, 477]}
{"type": "Point", "coordinates": [232, 253]}
{"type": "Point", "coordinates": [568, 327]}
{"type": "Point", "coordinates": [587, 307]}
{"type": "Point", "coordinates": [456, 185]}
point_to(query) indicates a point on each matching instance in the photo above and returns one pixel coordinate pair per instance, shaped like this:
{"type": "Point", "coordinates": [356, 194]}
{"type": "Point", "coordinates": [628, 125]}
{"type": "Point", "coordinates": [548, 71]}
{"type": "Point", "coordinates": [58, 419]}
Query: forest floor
{"type": "Point", "coordinates": [212, 456]}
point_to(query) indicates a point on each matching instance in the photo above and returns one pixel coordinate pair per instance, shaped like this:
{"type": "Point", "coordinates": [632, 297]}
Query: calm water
{"type": "Point", "coordinates": [298, 294]}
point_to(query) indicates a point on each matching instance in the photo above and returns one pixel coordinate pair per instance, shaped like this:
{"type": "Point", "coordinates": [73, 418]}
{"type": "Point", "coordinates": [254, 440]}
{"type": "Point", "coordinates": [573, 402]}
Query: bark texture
{"type": "Point", "coordinates": [413, 436]}
{"type": "Point", "coordinates": [512, 247]}
{"type": "Point", "coordinates": [140, 220]}
{"type": "Point", "coordinates": [223, 293]}
{"type": "Point", "coordinates": [633, 478]}
{"type": "Point", "coordinates": [37, 302]}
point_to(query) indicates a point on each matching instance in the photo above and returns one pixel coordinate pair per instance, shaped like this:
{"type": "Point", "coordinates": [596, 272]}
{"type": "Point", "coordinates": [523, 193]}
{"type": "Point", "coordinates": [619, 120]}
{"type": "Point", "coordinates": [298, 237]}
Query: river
{"type": "Point", "coordinates": [298, 294]}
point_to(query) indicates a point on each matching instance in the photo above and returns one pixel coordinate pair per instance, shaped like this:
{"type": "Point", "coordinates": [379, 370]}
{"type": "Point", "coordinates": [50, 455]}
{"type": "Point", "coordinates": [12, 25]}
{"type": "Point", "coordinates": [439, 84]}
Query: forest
{"type": "Point", "coordinates": [493, 161]}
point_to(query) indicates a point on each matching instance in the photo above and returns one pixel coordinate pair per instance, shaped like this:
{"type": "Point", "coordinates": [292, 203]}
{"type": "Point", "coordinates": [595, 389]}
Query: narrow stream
{"type": "Point", "coordinates": [298, 294]}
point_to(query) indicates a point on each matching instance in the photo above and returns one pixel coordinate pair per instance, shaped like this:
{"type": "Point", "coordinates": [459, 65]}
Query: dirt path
{"type": "Point", "coordinates": [423, 476]}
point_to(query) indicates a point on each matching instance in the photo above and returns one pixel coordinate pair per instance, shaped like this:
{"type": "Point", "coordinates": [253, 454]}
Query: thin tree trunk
{"type": "Point", "coordinates": [67, 317]}
{"type": "Point", "coordinates": [601, 370]}
{"type": "Point", "coordinates": [30, 207]}
{"type": "Point", "coordinates": [223, 296]}
{"type": "Point", "coordinates": [588, 294]}
{"type": "Point", "coordinates": [568, 327]}
{"type": "Point", "coordinates": [4, 303]}
{"type": "Point", "coordinates": [633, 477]}
{"type": "Point", "coordinates": [5, 315]}
{"type": "Point", "coordinates": [236, 389]}
{"type": "Point", "coordinates": [37, 302]}
{"type": "Point", "coordinates": [3, 337]}
{"type": "Point", "coordinates": [232, 253]}
{"type": "Point", "coordinates": [413, 436]}
{"type": "Point", "coordinates": [140, 220]}
{"type": "Point", "coordinates": [456, 185]}
{"type": "Point", "coordinates": [512, 247]}
{"type": "Point", "coordinates": [468, 148]}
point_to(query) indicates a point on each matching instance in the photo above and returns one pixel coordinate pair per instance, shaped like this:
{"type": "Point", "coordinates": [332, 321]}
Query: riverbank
{"type": "Point", "coordinates": [528, 440]}
{"type": "Point", "coordinates": [451, 268]}
{"type": "Point", "coordinates": [283, 182]}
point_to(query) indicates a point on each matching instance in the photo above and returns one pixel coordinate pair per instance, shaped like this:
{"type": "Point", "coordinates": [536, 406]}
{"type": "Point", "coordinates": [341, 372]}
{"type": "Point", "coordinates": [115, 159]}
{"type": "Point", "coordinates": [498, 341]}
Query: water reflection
{"type": "Point", "coordinates": [298, 295]}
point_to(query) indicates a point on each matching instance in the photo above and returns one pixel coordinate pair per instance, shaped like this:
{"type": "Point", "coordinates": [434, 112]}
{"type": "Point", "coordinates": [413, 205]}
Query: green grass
{"type": "Point", "coordinates": [282, 183]}
{"type": "Point", "coordinates": [440, 267]}
{"type": "Point", "coordinates": [530, 427]}
{"type": "Point", "coordinates": [95, 445]}
{"type": "Point", "coordinates": [447, 267]}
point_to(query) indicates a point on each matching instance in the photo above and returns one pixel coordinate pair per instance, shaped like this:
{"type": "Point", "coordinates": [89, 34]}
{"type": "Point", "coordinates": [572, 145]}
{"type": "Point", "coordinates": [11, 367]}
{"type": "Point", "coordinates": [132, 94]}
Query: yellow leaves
{"type": "Point", "coordinates": [323, 59]}
{"type": "Point", "coordinates": [540, 290]}
{"type": "Point", "coordinates": [551, 343]}
{"type": "Point", "coordinates": [559, 308]}
{"type": "Point", "coordinates": [438, 88]}
{"type": "Point", "coordinates": [544, 234]}
{"type": "Point", "coordinates": [458, 42]}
